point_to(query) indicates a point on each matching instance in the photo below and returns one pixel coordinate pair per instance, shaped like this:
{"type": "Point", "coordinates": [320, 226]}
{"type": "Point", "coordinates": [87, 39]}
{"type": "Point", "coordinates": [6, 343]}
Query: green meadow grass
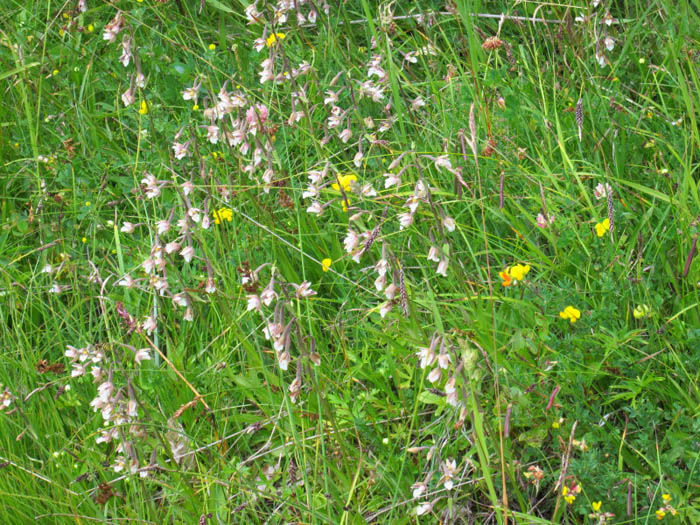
{"type": "Point", "coordinates": [533, 418]}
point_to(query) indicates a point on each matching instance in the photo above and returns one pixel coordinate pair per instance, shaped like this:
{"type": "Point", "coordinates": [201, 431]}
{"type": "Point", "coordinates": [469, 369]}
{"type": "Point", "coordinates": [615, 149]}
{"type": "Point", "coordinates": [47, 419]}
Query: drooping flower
{"type": "Point", "coordinates": [442, 267]}
{"type": "Point", "coordinates": [187, 253]}
{"type": "Point", "coordinates": [303, 289]}
{"type": "Point", "coordinates": [449, 469]}
{"type": "Point", "coordinates": [129, 96]}
{"type": "Point", "coordinates": [424, 508]}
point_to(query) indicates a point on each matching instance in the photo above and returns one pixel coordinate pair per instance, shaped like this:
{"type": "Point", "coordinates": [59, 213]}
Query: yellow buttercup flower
{"type": "Point", "coordinates": [570, 313]}
{"type": "Point", "coordinates": [596, 506]}
{"type": "Point", "coordinates": [345, 182]}
{"type": "Point", "coordinates": [326, 264]}
{"type": "Point", "coordinates": [273, 38]}
{"type": "Point", "coordinates": [602, 227]}
{"type": "Point", "coordinates": [144, 108]}
{"type": "Point", "coordinates": [212, 46]}
{"type": "Point", "coordinates": [222, 214]}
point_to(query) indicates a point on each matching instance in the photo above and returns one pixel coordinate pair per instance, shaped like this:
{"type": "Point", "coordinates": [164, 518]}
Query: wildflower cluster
{"type": "Point", "coordinates": [601, 21]}
{"type": "Point", "coordinates": [448, 469]}
{"type": "Point", "coordinates": [116, 400]}
{"type": "Point", "coordinates": [277, 329]}
{"type": "Point", "coordinates": [441, 358]}
{"type": "Point", "coordinates": [569, 492]}
{"type": "Point", "coordinates": [598, 515]}
{"type": "Point", "coordinates": [667, 508]}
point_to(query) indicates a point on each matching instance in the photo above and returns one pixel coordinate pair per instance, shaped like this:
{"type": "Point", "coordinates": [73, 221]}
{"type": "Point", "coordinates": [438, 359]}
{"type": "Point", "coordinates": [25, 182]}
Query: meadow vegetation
{"type": "Point", "coordinates": [349, 262]}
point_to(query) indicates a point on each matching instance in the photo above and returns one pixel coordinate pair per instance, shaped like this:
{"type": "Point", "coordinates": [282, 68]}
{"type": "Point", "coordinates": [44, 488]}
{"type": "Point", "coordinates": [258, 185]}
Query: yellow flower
{"type": "Point", "coordinates": [666, 498]}
{"type": "Point", "coordinates": [144, 108]}
{"type": "Point", "coordinates": [84, 240]}
{"type": "Point", "coordinates": [90, 28]}
{"type": "Point", "coordinates": [568, 496]}
{"type": "Point", "coordinates": [602, 227]}
{"type": "Point", "coordinates": [556, 424]}
{"type": "Point", "coordinates": [222, 214]}
{"type": "Point", "coordinates": [519, 271]}
{"type": "Point", "coordinates": [505, 275]}
{"type": "Point", "coordinates": [55, 72]}
{"type": "Point", "coordinates": [513, 274]}
{"type": "Point", "coordinates": [660, 514]}
{"type": "Point", "coordinates": [640, 311]}
{"type": "Point", "coordinates": [326, 264]}
{"type": "Point", "coordinates": [596, 506]}
{"type": "Point", "coordinates": [87, 203]}
{"type": "Point", "coordinates": [212, 46]}
{"type": "Point", "coordinates": [273, 38]}
{"type": "Point", "coordinates": [345, 182]}
{"type": "Point", "coordinates": [195, 107]}
{"type": "Point", "coordinates": [570, 313]}
{"type": "Point", "coordinates": [344, 205]}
